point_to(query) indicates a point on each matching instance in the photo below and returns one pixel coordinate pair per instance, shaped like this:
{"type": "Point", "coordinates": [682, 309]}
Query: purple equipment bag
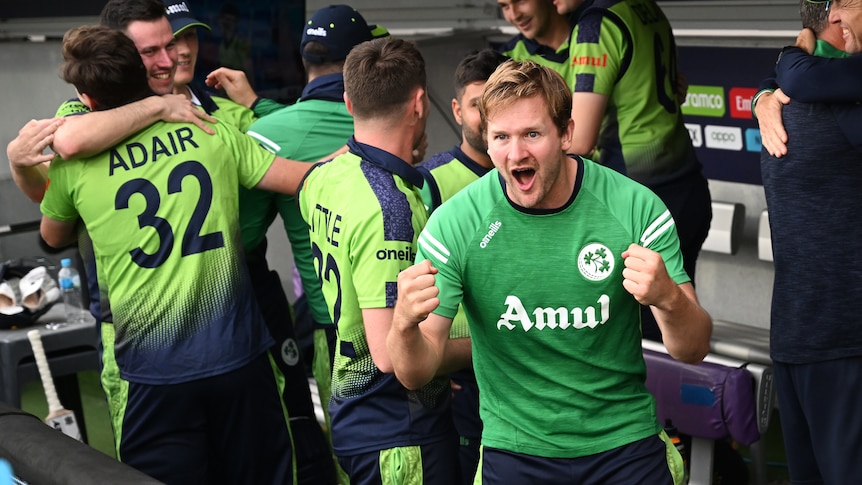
{"type": "Point", "coordinates": [706, 400]}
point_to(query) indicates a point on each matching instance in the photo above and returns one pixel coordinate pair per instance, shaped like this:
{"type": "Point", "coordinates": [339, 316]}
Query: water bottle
{"type": "Point", "coordinates": [70, 286]}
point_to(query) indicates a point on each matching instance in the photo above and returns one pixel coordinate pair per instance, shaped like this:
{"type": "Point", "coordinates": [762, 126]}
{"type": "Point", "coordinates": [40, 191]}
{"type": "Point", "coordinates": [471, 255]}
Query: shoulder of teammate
{"type": "Point", "coordinates": [233, 113]}
{"type": "Point", "coordinates": [71, 107]}
{"type": "Point", "coordinates": [309, 181]}
{"type": "Point", "coordinates": [510, 45]}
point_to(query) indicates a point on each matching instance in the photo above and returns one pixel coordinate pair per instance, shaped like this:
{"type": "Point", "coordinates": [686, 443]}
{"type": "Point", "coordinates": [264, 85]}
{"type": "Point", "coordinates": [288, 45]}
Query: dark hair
{"type": "Point", "coordinates": [318, 50]}
{"type": "Point", "coordinates": [118, 14]}
{"type": "Point", "coordinates": [814, 16]}
{"type": "Point", "coordinates": [380, 75]}
{"type": "Point", "coordinates": [476, 67]}
{"type": "Point", "coordinates": [104, 64]}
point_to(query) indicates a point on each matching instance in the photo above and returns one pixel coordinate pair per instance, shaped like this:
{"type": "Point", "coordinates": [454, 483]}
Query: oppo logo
{"type": "Point", "coordinates": [723, 137]}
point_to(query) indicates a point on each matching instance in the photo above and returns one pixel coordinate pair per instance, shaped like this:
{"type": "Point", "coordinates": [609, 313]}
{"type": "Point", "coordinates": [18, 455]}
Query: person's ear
{"type": "Point", "coordinates": [568, 134]}
{"type": "Point", "coordinates": [348, 104]}
{"type": "Point", "coordinates": [456, 111]}
{"type": "Point", "coordinates": [88, 101]}
{"type": "Point", "coordinates": [419, 105]}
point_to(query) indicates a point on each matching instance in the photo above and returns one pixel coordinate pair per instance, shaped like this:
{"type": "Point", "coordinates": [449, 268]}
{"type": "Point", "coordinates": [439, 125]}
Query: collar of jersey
{"type": "Point", "coordinates": [204, 97]}
{"type": "Point", "coordinates": [468, 162]}
{"type": "Point", "coordinates": [329, 87]}
{"type": "Point", "coordinates": [537, 49]}
{"type": "Point", "coordinates": [386, 161]}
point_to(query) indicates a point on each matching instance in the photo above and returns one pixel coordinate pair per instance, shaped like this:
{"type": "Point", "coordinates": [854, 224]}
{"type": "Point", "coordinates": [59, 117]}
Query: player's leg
{"type": "Point", "coordinates": [429, 464]}
{"type": "Point", "coordinates": [249, 440]}
{"type": "Point", "coordinates": [313, 457]}
{"type": "Point", "coordinates": [115, 388]}
{"type": "Point", "coordinates": [821, 433]}
{"type": "Point", "coordinates": [163, 432]}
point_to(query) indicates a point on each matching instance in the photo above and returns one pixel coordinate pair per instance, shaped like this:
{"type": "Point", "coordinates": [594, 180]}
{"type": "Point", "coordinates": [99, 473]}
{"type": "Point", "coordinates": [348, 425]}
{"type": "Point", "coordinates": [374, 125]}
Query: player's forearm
{"type": "Point", "coordinates": [31, 180]}
{"type": "Point", "coordinates": [685, 326]}
{"type": "Point", "coordinates": [284, 176]}
{"type": "Point", "coordinates": [91, 133]}
{"type": "Point", "coordinates": [414, 359]}
{"type": "Point", "coordinates": [456, 355]}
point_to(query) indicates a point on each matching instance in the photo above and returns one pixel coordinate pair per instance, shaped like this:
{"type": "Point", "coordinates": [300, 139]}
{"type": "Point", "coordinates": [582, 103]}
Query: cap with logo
{"type": "Point", "coordinates": [180, 16]}
{"type": "Point", "coordinates": [340, 28]}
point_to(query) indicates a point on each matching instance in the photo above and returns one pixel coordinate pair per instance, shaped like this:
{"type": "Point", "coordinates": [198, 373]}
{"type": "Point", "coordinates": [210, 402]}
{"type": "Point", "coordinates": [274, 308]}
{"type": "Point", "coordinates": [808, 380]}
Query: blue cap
{"type": "Point", "coordinates": [340, 28]}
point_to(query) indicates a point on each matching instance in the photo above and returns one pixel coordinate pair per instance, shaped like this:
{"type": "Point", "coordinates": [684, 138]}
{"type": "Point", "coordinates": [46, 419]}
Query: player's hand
{"type": "Point", "coordinates": [419, 149]}
{"type": "Point", "coordinates": [178, 109]}
{"type": "Point", "coordinates": [645, 276]}
{"type": "Point", "coordinates": [772, 133]}
{"type": "Point", "coordinates": [417, 294]}
{"type": "Point", "coordinates": [235, 83]}
{"type": "Point", "coordinates": [806, 40]}
{"type": "Point", "coordinates": [27, 149]}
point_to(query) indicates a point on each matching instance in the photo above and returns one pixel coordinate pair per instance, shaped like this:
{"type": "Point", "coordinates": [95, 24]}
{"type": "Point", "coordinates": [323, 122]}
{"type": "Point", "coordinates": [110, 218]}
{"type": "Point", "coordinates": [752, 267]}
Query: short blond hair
{"type": "Point", "coordinates": [515, 80]}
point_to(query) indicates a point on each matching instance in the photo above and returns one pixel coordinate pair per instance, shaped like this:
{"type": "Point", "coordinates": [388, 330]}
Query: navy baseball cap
{"type": "Point", "coordinates": [180, 16]}
{"type": "Point", "coordinates": [340, 28]}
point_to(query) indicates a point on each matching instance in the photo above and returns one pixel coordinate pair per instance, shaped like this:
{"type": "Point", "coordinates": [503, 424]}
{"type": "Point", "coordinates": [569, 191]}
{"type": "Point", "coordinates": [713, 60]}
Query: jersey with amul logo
{"type": "Point", "coordinates": [556, 337]}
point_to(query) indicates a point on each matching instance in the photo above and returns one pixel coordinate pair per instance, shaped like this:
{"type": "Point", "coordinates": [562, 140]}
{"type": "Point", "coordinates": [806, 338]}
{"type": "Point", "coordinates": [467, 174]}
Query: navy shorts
{"type": "Point", "coordinates": [429, 464]}
{"type": "Point", "coordinates": [644, 461]}
{"type": "Point", "coordinates": [820, 419]}
{"type": "Point", "coordinates": [223, 429]}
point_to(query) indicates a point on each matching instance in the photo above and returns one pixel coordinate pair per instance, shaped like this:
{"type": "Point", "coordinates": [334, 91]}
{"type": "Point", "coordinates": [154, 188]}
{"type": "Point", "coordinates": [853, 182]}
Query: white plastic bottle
{"type": "Point", "coordinates": [70, 286]}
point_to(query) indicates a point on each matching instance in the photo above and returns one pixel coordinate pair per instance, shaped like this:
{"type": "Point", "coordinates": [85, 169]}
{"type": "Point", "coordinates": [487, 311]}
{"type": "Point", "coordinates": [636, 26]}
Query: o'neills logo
{"type": "Point", "coordinates": [318, 32]}
{"type": "Point", "coordinates": [492, 229]}
{"type": "Point", "coordinates": [591, 61]}
{"type": "Point", "coordinates": [177, 8]}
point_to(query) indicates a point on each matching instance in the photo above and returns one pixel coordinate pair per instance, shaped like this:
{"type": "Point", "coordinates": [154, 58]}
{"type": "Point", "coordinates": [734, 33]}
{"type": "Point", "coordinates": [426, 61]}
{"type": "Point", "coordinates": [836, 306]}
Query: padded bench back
{"type": "Point", "coordinates": [706, 400]}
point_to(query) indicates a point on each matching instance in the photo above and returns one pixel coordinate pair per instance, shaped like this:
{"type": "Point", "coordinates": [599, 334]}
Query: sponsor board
{"type": "Point", "coordinates": [695, 133]}
{"type": "Point", "coordinates": [723, 137]}
{"type": "Point", "coordinates": [704, 101]}
{"type": "Point", "coordinates": [752, 140]}
{"type": "Point", "coordinates": [740, 102]}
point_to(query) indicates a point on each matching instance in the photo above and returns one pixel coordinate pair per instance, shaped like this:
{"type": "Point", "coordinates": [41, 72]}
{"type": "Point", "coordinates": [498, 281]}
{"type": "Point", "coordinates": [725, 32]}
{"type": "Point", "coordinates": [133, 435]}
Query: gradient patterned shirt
{"type": "Point", "coordinates": [364, 213]}
{"type": "Point", "coordinates": [161, 210]}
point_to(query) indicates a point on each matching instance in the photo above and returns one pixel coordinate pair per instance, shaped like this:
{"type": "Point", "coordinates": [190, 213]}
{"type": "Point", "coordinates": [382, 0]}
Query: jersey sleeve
{"type": "Point", "coordinates": [802, 77]}
{"type": "Point", "coordinates": [253, 160]}
{"type": "Point", "coordinates": [234, 113]}
{"type": "Point", "coordinates": [661, 236]}
{"type": "Point", "coordinates": [265, 106]}
{"type": "Point", "coordinates": [58, 203]}
{"type": "Point", "coordinates": [437, 245]}
{"type": "Point", "coordinates": [597, 53]}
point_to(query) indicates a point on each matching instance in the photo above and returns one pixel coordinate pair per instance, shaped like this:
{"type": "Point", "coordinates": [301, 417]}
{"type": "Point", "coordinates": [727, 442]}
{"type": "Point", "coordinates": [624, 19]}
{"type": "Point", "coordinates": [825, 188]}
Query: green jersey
{"type": "Point", "coordinates": [317, 125]}
{"type": "Point", "coordinates": [625, 50]}
{"type": "Point", "coordinates": [556, 338]}
{"type": "Point", "coordinates": [446, 173]}
{"type": "Point", "coordinates": [364, 213]}
{"type": "Point", "coordinates": [160, 208]}
{"type": "Point", "coordinates": [521, 48]}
